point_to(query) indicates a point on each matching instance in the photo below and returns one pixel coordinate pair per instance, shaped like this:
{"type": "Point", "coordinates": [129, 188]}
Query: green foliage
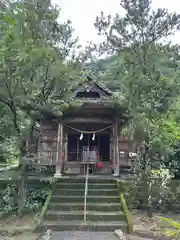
{"type": "Point", "coordinates": [9, 199]}
{"type": "Point", "coordinates": [33, 69]}
{"type": "Point", "coordinates": [38, 69]}
{"type": "Point", "coordinates": [35, 198]}
{"type": "Point", "coordinates": [147, 73]}
{"type": "Point", "coordinates": [161, 179]}
{"type": "Point", "coordinates": [173, 229]}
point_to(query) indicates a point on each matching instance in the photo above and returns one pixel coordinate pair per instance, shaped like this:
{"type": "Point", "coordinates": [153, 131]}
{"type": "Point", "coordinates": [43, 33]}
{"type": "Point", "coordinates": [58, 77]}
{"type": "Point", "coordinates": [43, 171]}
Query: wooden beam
{"type": "Point", "coordinates": [87, 120]}
{"type": "Point", "coordinates": [59, 150]}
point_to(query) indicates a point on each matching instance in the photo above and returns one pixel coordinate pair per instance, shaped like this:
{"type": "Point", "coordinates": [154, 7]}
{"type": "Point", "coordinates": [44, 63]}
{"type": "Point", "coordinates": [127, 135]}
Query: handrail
{"type": "Point", "coordinates": [85, 193]}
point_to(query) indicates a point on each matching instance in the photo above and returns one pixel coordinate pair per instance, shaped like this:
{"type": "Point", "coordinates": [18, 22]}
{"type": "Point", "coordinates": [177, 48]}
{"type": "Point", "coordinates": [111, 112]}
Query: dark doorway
{"type": "Point", "coordinates": [99, 141]}
{"type": "Point", "coordinates": [104, 147]}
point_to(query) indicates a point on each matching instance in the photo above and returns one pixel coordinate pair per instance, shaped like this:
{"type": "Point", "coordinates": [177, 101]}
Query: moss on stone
{"type": "Point", "coordinates": [126, 211]}
{"type": "Point", "coordinates": [44, 208]}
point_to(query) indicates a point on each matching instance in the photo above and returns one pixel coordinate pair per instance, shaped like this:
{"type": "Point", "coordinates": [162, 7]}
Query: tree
{"type": "Point", "coordinates": [37, 65]}
{"type": "Point", "coordinates": [148, 92]}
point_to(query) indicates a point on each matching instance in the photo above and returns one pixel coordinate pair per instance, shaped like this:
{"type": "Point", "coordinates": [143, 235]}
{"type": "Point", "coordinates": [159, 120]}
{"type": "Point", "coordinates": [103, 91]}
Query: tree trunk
{"type": "Point", "coordinates": [146, 179]}
{"type": "Point", "coordinates": [22, 181]}
{"type": "Point", "coordinates": [149, 200]}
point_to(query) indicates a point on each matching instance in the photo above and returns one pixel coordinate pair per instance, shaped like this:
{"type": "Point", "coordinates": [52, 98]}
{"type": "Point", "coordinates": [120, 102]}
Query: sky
{"type": "Point", "coordinates": [82, 13]}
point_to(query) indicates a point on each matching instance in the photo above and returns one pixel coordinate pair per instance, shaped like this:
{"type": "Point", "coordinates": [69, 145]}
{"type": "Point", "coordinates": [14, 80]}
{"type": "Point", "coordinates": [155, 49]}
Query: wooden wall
{"type": "Point", "coordinates": [48, 142]}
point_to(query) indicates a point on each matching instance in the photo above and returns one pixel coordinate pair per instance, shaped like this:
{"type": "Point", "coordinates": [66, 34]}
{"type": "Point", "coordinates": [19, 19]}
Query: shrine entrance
{"type": "Point", "coordinates": [95, 147]}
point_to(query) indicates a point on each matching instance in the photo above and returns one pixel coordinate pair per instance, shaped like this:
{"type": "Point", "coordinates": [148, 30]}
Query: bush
{"type": "Point", "coordinates": [35, 197]}
{"type": "Point", "coordinates": [164, 193]}
{"type": "Point", "coordinates": [8, 199]}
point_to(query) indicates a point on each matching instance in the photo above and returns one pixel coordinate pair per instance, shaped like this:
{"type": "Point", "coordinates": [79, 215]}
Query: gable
{"type": "Point", "coordinates": [91, 90]}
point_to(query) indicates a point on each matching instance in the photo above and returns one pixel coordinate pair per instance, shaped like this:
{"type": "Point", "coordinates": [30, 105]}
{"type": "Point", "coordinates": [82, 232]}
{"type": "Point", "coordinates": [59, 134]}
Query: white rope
{"type": "Point", "coordinates": [83, 131]}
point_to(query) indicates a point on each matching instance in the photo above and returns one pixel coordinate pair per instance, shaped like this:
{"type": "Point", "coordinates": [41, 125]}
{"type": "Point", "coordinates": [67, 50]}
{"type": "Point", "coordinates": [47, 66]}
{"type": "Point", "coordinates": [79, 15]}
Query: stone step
{"type": "Point", "coordinates": [69, 206]}
{"type": "Point", "coordinates": [103, 192]}
{"type": "Point", "coordinates": [93, 198]}
{"type": "Point", "coordinates": [83, 179]}
{"type": "Point", "coordinates": [79, 215]}
{"type": "Point", "coordinates": [101, 180]}
{"type": "Point", "coordinates": [62, 199]}
{"type": "Point", "coordinates": [103, 199]}
{"type": "Point", "coordinates": [69, 186]}
{"type": "Point", "coordinates": [80, 192]}
{"type": "Point", "coordinates": [70, 180]}
{"type": "Point", "coordinates": [82, 186]}
{"type": "Point", "coordinates": [101, 186]}
{"type": "Point", "coordinates": [80, 226]}
{"type": "Point", "coordinates": [68, 192]}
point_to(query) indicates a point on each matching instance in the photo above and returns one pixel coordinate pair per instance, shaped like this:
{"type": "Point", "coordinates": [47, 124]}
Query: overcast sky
{"type": "Point", "coordinates": [82, 13]}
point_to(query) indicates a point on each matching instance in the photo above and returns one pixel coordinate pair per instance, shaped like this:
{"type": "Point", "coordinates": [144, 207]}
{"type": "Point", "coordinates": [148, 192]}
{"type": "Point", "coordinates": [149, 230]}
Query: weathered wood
{"type": "Point", "coordinates": [47, 158]}
{"type": "Point", "coordinates": [49, 134]}
{"type": "Point", "coordinates": [61, 147]}
{"type": "Point", "coordinates": [114, 146]}
{"type": "Point", "coordinates": [117, 145]}
{"type": "Point", "coordinates": [78, 152]}
{"type": "Point", "coordinates": [58, 166]}
{"type": "Point", "coordinates": [48, 146]}
{"type": "Point", "coordinates": [116, 136]}
{"type": "Point", "coordinates": [89, 120]}
{"type": "Point", "coordinates": [65, 146]}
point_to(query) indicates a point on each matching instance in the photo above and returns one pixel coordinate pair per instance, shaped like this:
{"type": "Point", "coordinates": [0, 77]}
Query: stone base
{"type": "Point", "coordinates": [115, 175]}
{"type": "Point", "coordinates": [57, 175]}
{"type": "Point", "coordinates": [119, 233]}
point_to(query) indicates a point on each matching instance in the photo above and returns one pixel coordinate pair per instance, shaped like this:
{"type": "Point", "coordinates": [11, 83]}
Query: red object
{"type": "Point", "coordinates": [62, 155]}
{"type": "Point", "coordinates": [100, 165]}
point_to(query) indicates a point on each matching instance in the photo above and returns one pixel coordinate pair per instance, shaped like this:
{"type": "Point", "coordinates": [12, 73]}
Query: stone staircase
{"type": "Point", "coordinates": [66, 209]}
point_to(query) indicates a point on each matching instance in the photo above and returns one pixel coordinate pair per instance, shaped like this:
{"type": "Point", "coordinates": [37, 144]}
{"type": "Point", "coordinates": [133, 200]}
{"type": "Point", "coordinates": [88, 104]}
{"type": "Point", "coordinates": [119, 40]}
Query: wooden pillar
{"type": "Point", "coordinates": [78, 152]}
{"type": "Point", "coordinates": [113, 148]}
{"type": "Point", "coordinates": [116, 150]}
{"type": "Point", "coordinates": [110, 150]}
{"type": "Point", "coordinates": [66, 147]}
{"type": "Point", "coordinates": [59, 157]}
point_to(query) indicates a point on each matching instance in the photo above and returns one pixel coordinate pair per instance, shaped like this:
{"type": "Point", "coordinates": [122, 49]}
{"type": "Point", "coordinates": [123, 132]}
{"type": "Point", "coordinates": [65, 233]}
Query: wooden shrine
{"type": "Point", "coordinates": [90, 132]}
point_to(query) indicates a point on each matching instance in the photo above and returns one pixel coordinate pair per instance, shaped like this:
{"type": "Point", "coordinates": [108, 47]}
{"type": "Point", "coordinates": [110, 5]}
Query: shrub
{"type": "Point", "coordinates": [35, 198]}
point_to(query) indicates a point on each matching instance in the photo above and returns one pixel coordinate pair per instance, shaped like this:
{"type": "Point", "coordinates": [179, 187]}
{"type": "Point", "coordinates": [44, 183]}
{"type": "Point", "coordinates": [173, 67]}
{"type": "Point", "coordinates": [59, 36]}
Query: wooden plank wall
{"type": "Point", "coordinates": [124, 146]}
{"type": "Point", "coordinates": [48, 143]}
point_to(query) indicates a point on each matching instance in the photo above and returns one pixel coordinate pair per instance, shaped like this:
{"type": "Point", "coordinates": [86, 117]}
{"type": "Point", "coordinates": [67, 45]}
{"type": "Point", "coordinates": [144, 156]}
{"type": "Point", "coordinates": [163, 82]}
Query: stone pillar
{"type": "Point", "coordinates": [59, 157]}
